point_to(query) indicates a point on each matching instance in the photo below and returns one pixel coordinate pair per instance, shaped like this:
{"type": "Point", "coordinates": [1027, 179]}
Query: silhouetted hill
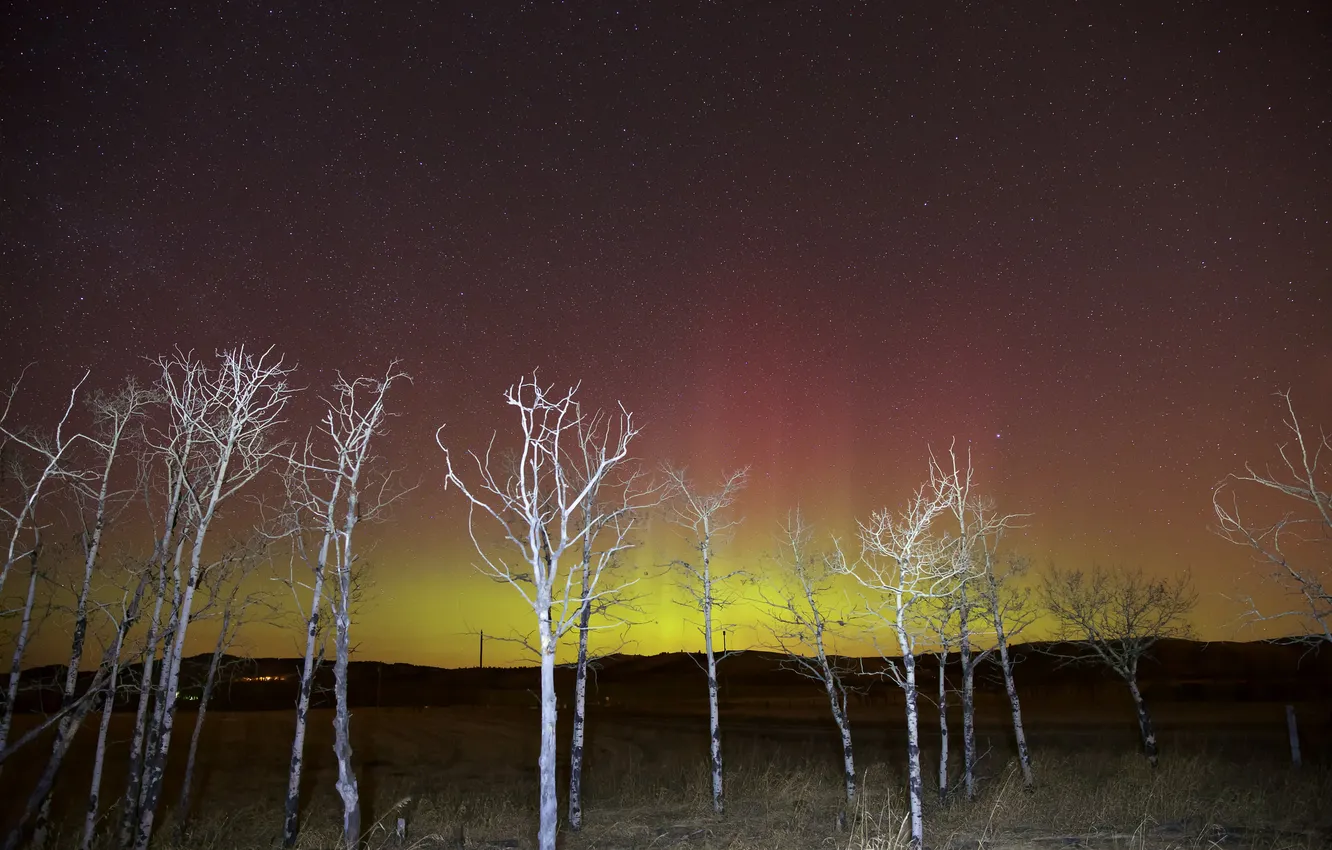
{"type": "Point", "coordinates": [1179, 671]}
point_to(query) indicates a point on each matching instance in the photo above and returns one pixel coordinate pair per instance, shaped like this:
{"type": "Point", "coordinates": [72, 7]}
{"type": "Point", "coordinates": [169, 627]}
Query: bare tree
{"type": "Point", "coordinates": [941, 620]}
{"type": "Point", "coordinates": [123, 621]}
{"type": "Point", "coordinates": [18, 520]}
{"type": "Point", "coordinates": [98, 504]}
{"type": "Point", "coordinates": [1288, 546]}
{"type": "Point", "coordinates": [702, 516]}
{"type": "Point", "coordinates": [67, 721]}
{"type": "Point", "coordinates": [72, 716]}
{"type": "Point", "coordinates": [329, 492]}
{"type": "Point", "coordinates": [1116, 618]}
{"type": "Point", "coordinates": [905, 566]}
{"type": "Point", "coordinates": [314, 617]}
{"type": "Point", "coordinates": [218, 439]}
{"type": "Point", "coordinates": [977, 529]}
{"type": "Point", "coordinates": [802, 620]}
{"type": "Point", "coordinates": [609, 507]}
{"type": "Point", "coordinates": [1006, 606]}
{"type": "Point", "coordinates": [536, 504]}
{"type": "Point", "coordinates": [224, 585]}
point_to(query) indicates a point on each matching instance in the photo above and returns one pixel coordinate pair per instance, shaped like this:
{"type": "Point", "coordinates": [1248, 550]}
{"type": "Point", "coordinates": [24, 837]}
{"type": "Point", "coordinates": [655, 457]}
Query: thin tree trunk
{"type": "Point", "coordinates": [176, 650]}
{"type": "Point", "coordinates": [579, 714]}
{"type": "Point", "coordinates": [108, 709]}
{"type": "Point", "coordinates": [153, 734]}
{"type": "Point", "coordinates": [714, 718]}
{"type": "Point", "coordinates": [20, 647]}
{"type": "Point", "coordinates": [943, 728]}
{"type": "Point", "coordinates": [968, 699]}
{"type": "Point", "coordinates": [44, 785]}
{"type": "Point", "coordinates": [95, 786]}
{"type": "Point", "coordinates": [837, 701]}
{"type": "Point", "coordinates": [129, 814]}
{"type": "Point", "coordinates": [156, 765]}
{"type": "Point", "coordinates": [548, 804]}
{"type": "Point", "coordinates": [342, 749]}
{"type": "Point", "coordinates": [1144, 721]}
{"type": "Point", "coordinates": [291, 822]}
{"type": "Point", "coordinates": [145, 725]}
{"type": "Point", "coordinates": [183, 807]}
{"type": "Point", "coordinates": [94, 542]}
{"type": "Point", "coordinates": [1019, 731]}
{"type": "Point", "coordinates": [915, 783]}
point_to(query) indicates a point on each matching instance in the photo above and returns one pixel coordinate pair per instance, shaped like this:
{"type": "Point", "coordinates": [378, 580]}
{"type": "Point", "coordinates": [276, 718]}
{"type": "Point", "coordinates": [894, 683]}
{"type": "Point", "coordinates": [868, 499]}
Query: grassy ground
{"type": "Point", "coordinates": [465, 779]}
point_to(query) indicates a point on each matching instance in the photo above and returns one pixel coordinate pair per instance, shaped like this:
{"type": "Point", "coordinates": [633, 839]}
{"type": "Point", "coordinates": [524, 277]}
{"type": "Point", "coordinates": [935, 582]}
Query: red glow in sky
{"type": "Point", "coordinates": [1086, 243]}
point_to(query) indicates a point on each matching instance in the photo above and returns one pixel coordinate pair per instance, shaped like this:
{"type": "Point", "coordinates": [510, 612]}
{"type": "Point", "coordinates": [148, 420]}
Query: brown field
{"type": "Point", "coordinates": [464, 776]}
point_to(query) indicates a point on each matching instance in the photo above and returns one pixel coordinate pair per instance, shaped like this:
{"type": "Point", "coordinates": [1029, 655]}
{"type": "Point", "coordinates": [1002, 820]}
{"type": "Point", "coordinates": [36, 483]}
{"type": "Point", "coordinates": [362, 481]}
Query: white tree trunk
{"type": "Point", "coordinates": [968, 700]}
{"type": "Point", "coordinates": [20, 647]}
{"type": "Point", "coordinates": [99, 759]}
{"type": "Point", "coordinates": [548, 803]}
{"type": "Point", "coordinates": [138, 739]}
{"type": "Point", "coordinates": [160, 742]}
{"type": "Point", "coordinates": [714, 718]}
{"type": "Point", "coordinates": [346, 785]}
{"type": "Point", "coordinates": [837, 701]}
{"type": "Point", "coordinates": [291, 820]}
{"type": "Point", "coordinates": [41, 829]}
{"type": "Point", "coordinates": [943, 727]}
{"type": "Point", "coordinates": [579, 716]}
{"type": "Point", "coordinates": [183, 807]}
{"type": "Point", "coordinates": [1144, 721]}
{"type": "Point", "coordinates": [915, 783]}
{"type": "Point", "coordinates": [1019, 731]}
{"type": "Point", "coordinates": [48, 777]}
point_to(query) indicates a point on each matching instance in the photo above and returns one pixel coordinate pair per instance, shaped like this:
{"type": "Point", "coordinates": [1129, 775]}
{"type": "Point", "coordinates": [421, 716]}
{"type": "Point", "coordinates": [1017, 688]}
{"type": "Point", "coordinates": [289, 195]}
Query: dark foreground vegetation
{"type": "Point", "coordinates": [465, 775]}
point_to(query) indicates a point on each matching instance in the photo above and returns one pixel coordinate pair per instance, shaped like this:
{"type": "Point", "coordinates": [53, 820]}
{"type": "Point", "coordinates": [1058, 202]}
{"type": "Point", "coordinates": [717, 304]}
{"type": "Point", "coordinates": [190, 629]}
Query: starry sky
{"type": "Point", "coordinates": [1088, 241]}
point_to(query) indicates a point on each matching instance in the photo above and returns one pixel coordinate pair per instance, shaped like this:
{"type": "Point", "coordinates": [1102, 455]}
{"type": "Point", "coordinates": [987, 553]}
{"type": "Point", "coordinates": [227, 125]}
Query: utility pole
{"type": "Point", "coordinates": [481, 651]}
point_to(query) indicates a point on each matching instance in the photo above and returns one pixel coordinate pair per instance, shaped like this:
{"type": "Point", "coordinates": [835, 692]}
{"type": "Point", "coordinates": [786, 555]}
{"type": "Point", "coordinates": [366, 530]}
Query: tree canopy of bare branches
{"type": "Point", "coordinates": [1292, 548]}
{"type": "Point", "coordinates": [1115, 617]}
{"type": "Point", "coordinates": [328, 493]}
{"type": "Point", "coordinates": [702, 516]}
{"type": "Point", "coordinates": [538, 504]}
{"type": "Point", "coordinates": [804, 615]}
{"type": "Point", "coordinates": [904, 566]}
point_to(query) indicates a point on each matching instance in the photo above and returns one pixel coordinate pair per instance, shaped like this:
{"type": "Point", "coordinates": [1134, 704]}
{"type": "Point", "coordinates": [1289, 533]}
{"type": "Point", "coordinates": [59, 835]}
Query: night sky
{"type": "Point", "coordinates": [1087, 240]}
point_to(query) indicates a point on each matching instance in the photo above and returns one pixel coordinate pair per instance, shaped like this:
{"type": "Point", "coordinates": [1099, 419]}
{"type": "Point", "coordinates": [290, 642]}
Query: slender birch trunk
{"type": "Point", "coordinates": [47, 781]}
{"type": "Point", "coordinates": [547, 802]}
{"type": "Point", "coordinates": [20, 647]}
{"type": "Point", "coordinates": [579, 713]}
{"type": "Point", "coordinates": [134, 774]}
{"type": "Point", "coordinates": [1144, 720]}
{"type": "Point", "coordinates": [143, 740]}
{"type": "Point", "coordinates": [152, 764]}
{"type": "Point", "coordinates": [183, 807]}
{"type": "Point", "coordinates": [837, 700]}
{"type": "Point", "coordinates": [943, 728]}
{"type": "Point", "coordinates": [99, 759]}
{"type": "Point", "coordinates": [64, 730]}
{"type": "Point", "coordinates": [291, 822]}
{"type": "Point", "coordinates": [714, 718]}
{"type": "Point", "coordinates": [342, 748]}
{"type": "Point", "coordinates": [968, 696]}
{"type": "Point", "coordinates": [915, 783]}
{"type": "Point", "coordinates": [141, 762]}
{"type": "Point", "coordinates": [1019, 731]}
{"type": "Point", "coordinates": [156, 767]}
{"type": "Point", "coordinates": [108, 709]}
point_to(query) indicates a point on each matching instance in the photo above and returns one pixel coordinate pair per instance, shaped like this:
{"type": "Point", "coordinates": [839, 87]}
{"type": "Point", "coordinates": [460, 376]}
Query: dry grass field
{"type": "Point", "coordinates": [464, 777]}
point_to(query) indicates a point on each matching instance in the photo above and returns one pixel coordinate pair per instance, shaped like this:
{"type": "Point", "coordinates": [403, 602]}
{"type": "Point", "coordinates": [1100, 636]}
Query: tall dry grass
{"type": "Point", "coordinates": [647, 790]}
